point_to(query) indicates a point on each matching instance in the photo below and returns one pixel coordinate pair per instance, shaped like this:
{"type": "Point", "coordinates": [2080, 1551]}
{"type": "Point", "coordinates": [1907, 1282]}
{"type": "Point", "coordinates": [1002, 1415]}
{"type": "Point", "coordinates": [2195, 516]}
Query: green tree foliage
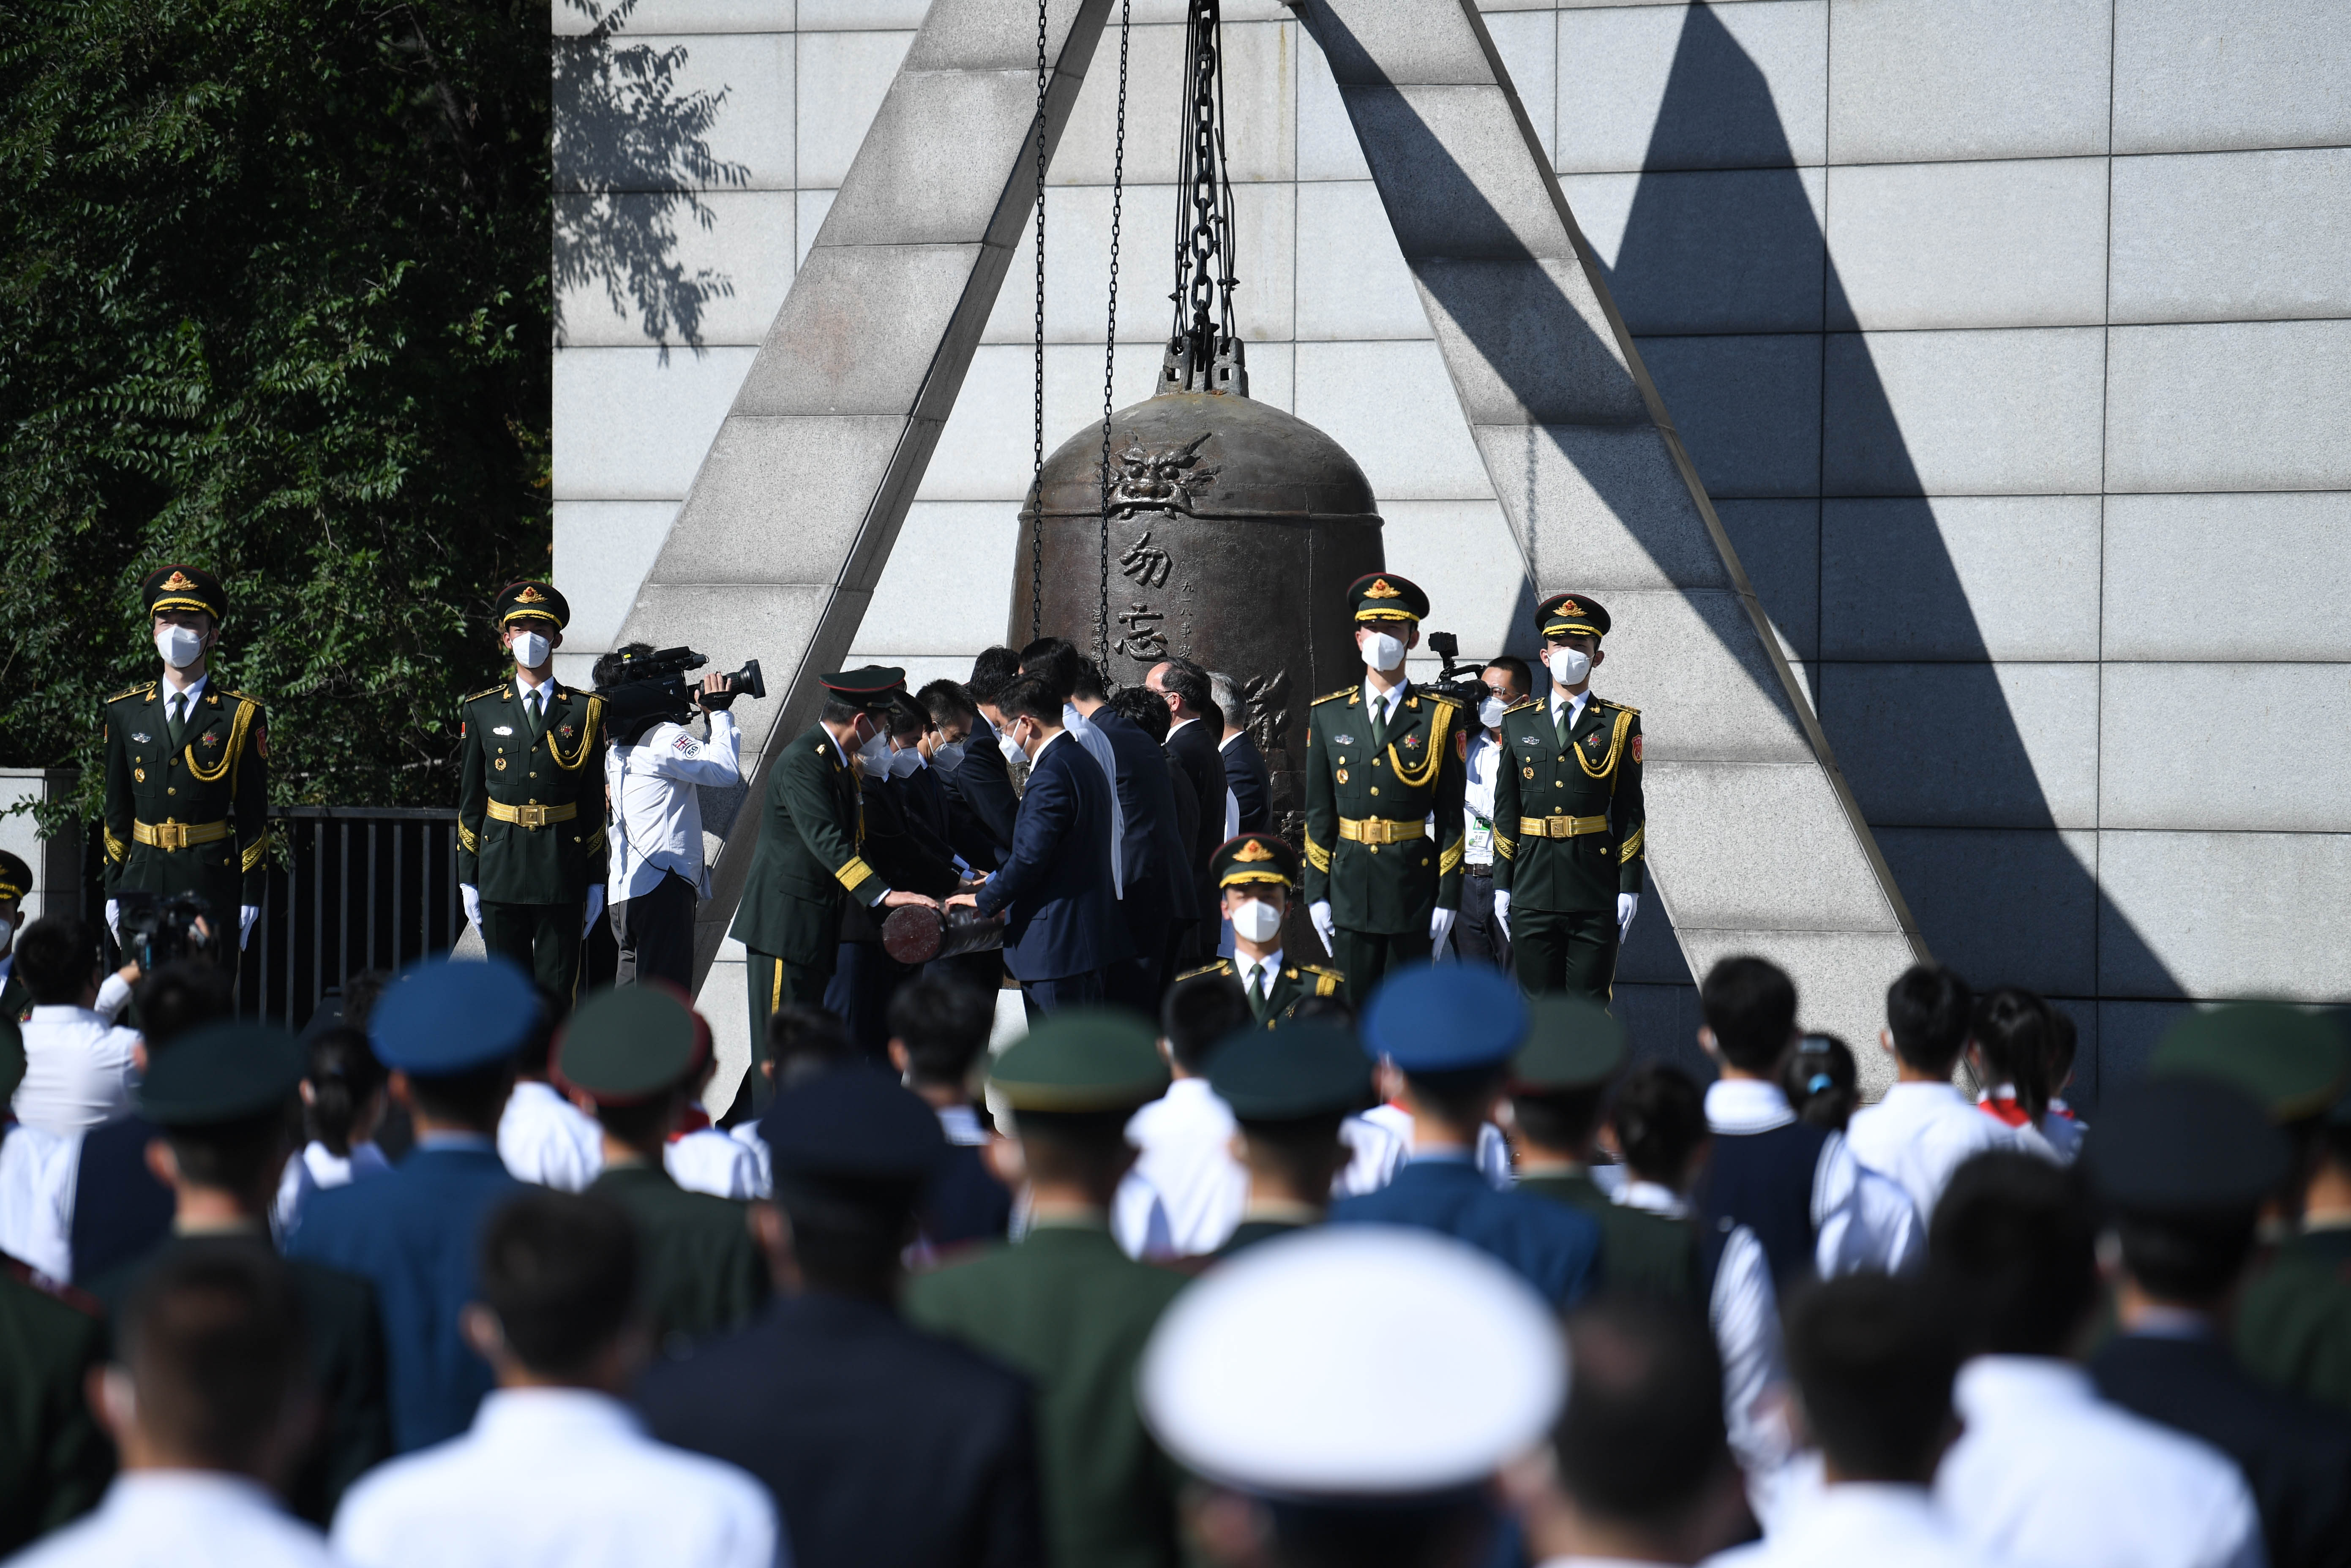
{"type": "Point", "coordinates": [274, 300]}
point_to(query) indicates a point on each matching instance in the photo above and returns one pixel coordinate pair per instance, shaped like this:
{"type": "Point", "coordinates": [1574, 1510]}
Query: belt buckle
{"type": "Point", "coordinates": [531, 816]}
{"type": "Point", "coordinates": [172, 835]}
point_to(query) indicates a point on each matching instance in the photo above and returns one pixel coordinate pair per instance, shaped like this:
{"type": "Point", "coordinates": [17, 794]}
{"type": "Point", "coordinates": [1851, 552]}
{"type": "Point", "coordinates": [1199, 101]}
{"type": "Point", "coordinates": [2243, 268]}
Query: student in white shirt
{"type": "Point", "coordinates": [1873, 1365]}
{"type": "Point", "coordinates": [2047, 1474]}
{"type": "Point", "coordinates": [1639, 1472]}
{"type": "Point", "coordinates": [1924, 1128]}
{"type": "Point", "coordinates": [556, 1468]}
{"type": "Point", "coordinates": [200, 1474]}
{"type": "Point", "coordinates": [544, 1138]}
{"type": "Point", "coordinates": [1185, 1137]}
{"type": "Point", "coordinates": [79, 1070]}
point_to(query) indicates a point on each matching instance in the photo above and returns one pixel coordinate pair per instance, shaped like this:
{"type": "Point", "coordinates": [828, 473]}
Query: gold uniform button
{"type": "Point", "coordinates": [170, 789]}
{"type": "Point", "coordinates": [1558, 783]}
{"type": "Point", "coordinates": [1375, 789]}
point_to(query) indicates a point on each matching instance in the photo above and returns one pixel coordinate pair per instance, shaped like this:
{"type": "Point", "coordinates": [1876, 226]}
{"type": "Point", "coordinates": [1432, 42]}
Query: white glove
{"type": "Point", "coordinates": [472, 898]}
{"type": "Point", "coordinates": [1626, 905]}
{"type": "Point", "coordinates": [1440, 929]}
{"type": "Point", "coordinates": [245, 915]}
{"type": "Point", "coordinates": [1502, 912]}
{"type": "Point", "coordinates": [114, 918]}
{"type": "Point", "coordinates": [595, 907]}
{"type": "Point", "coordinates": [1325, 926]}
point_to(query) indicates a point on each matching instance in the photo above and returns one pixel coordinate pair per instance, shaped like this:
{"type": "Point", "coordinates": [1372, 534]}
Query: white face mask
{"type": "Point", "coordinates": [1256, 920]}
{"type": "Point", "coordinates": [179, 646]}
{"type": "Point", "coordinates": [1569, 666]}
{"type": "Point", "coordinates": [8, 937]}
{"type": "Point", "coordinates": [1013, 750]}
{"type": "Point", "coordinates": [1382, 652]}
{"type": "Point", "coordinates": [949, 756]}
{"type": "Point", "coordinates": [1489, 711]}
{"type": "Point", "coordinates": [877, 752]}
{"type": "Point", "coordinates": [904, 764]}
{"type": "Point", "coordinates": [529, 650]}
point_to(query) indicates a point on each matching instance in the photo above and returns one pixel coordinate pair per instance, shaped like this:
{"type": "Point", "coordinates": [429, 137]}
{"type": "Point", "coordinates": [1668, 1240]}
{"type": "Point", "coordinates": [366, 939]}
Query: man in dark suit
{"type": "Point", "coordinates": [1063, 930]}
{"type": "Point", "coordinates": [2187, 1163]}
{"type": "Point", "coordinates": [1194, 730]}
{"type": "Point", "coordinates": [938, 1032]}
{"type": "Point", "coordinates": [1147, 711]}
{"type": "Point", "coordinates": [864, 974]}
{"type": "Point", "coordinates": [1246, 774]}
{"type": "Point", "coordinates": [885, 1447]}
{"type": "Point", "coordinates": [981, 801]}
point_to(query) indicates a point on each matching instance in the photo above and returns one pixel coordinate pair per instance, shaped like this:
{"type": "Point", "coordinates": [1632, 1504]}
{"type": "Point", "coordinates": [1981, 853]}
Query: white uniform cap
{"type": "Point", "coordinates": [1353, 1361]}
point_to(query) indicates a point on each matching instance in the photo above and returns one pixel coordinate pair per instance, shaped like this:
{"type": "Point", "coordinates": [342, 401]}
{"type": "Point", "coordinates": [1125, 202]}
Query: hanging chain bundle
{"type": "Point", "coordinates": [1203, 349]}
{"type": "Point", "coordinates": [1110, 339]}
{"type": "Point", "coordinates": [1037, 469]}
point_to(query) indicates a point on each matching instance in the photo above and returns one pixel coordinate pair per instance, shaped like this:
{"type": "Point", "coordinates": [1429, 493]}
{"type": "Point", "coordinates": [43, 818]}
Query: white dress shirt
{"type": "Point", "coordinates": [1375, 1153]}
{"type": "Point", "coordinates": [79, 1070]}
{"type": "Point", "coordinates": [194, 694]}
{"type": "Point", "coordinates": [707, 1161]}
{"type": "Point", "coordinates": [182, 1519]}
{"type": "Point", "coordinates": [1097, 744]}
{"type": "Point", "coordinates": [1477, 800]}
{"type": "Point", "coordinates": [1919, 1134]}
{"type": "Point", "coordinates": [1570, 708]}
{"type": "Point", "coordinates": [535, 697]}
{"type": "Point", "coordinates": [545, 1138]}
{"type": "Point", "coordinates": [656, 824]}
{"type": "Point", "coordinates": [1861, 1219]}
{"type": "Point", "coordinates": [1492, 1159]}
{"type": "Point", "coordinates": [37, 1171]}
{"type": "Point", "coordinates": [2049, 1475]}
{"type": "Point", "coordinates": [763, 1179]}
{"type": "Point", "coordinates": [1860, 1524]}
{"type": "Point", "coordinates": [316, 1167]}
{"type": "Point", "coordinates": [1186, 1138]}
{"type": "Point", "coordinates": [557, 1476]}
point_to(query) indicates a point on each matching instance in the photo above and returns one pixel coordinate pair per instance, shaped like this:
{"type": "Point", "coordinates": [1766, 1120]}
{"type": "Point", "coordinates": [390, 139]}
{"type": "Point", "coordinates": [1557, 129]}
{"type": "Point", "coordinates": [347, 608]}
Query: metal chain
{"type": "Point", "coordinates": [1109, 341]}
{"type": "Point", "coordinates": [1203, 349]}
{"type": "Point", "coordinates": [1037, 469]}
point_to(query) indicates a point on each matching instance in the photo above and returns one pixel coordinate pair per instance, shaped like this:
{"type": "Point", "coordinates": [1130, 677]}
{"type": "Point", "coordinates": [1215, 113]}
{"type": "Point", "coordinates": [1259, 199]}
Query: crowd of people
{"type": "Point", "coordinates": [464, 1275]}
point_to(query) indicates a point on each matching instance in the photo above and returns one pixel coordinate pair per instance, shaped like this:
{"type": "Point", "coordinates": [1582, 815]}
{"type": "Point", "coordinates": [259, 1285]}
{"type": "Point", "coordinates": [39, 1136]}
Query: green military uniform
{"type": "Point", "coordinates": [187, 783]}
{"type": "Point", "coordinates": [809, 860]}
{"type": "Point", "coordinates": [1260, 863]}
{"type": "Point", "coordinates": [638, 1053]}
{"type": "Point", "coordinates": [1568, 826]}
{"type": "Point", "coordinates": [1372, 784]}
{"type": "Point", "coordinates": [215, 1084]}
{"type": "Point", "coordinates": [15, 881]}
{"type": "Point", "coordinates": [1558, 1080]}
{"type": "Point", "coordinates": [1290, 1087]}
{"type": "Point", "coordinates": [2292, 1325]}
{"type": "Point", "coordinates": [530, 808]}
{"type": "Point", "coordinates": [1065, 1307]}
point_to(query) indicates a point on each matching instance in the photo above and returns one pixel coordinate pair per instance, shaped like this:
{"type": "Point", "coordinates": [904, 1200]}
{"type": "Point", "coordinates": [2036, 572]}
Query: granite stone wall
{"type": "Point", "coordinates": [2012, 340]}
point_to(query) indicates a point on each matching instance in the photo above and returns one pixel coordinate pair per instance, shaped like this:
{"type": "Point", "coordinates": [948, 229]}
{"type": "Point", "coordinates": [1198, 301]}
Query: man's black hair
{"type": "Point", "coordinates": [944, 1022]}
{"type": "Point", "coordinates": [804, 1041]}
{"type": "Point", "coordinates": [1461, 1094]}
{"type": "Point", "coordinates": [1190, 685]}
{"type": "Point", "coordinates": [1145, 709]}
{"type": "Point", "coordinates": [2188, 1258]}
{"type": "Point", "coordinates": [1052, 660]}
{"type": "Point", "coordinates": [343, 1074]}
{"type": "Point", "coordinates": [836, 711]}
{"type": "Point", "coordinates": [609, 666]}
{"type": "Point", "coordinates": [1928, 1009]}
{"type": "Point", "coordinates": [181, 996]}
{"type": "Point", "coordinates": [1200, 1014]}
{"type": "Point", "coordinates": [1031, 697]}
{"type": "Point", "coordinates": [57, 955]}
{"type": "Point", "coordinates": [560, 1270]}
{"type": "Point", "coordinates": [2013, 1248]}
{"type": "Point", "coordinates": [1305, 1150]}
{"type": "Point", "coordinates": [947, 703]}
{"type": "Point", "coordinates": [233, 1155]}
{"type": "Point", "coordinates": [1522, 679]}
{"type": "Point", "coordinates": [1659, 1116]}
{"type": "Point", "coordinates": [991, 672]}
{"type": "Point", "coordinates": [212, 1335]}
{"type": "Point", "coordinates": [907, 720]}
{"type": "Point", "coordinates": [1641, 1439]}
{"type": "Point", "coordinates": [1873, 1357]}
{"type": "Point", "coordinates": [1750, 1004]}
{"type": "Point", "coordinates": [1560, 1121]}
{"type": "Point", "coordinates": [473, 1099]}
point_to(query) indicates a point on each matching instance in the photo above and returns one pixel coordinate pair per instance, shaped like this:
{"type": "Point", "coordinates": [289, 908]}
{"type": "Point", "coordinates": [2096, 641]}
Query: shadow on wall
{"type": "Point", "coordinates": [632, 155]}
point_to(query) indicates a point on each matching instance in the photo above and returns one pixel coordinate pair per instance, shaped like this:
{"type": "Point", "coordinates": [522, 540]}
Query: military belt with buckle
{"type": "Point", "coordinates": [533, 815]}
{"type": "Point", "coordinates": [1379, 829]}
{"type": "Point", "coordinates": [1560, 827]}
{"type": "Point", "coordinates": [169, 834]}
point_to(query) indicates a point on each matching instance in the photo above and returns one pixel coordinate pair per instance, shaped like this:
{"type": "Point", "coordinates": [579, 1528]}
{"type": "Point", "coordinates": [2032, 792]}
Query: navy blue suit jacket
{"type": "Point", "coordinates": [982, 799]}
{"type": "Point", "coordinates": [411, 1234]}
{"type": "Point", "coordinates": [1252, 785]}
{"type": "Point", "coordinates": [1153, 849]}
{"type": "Point", "coordinates": [1554, 1248]}
{"type": "Point", "coordinates": [119, 1211]}
{"type": "Point", "coordinates": [1054, 890]}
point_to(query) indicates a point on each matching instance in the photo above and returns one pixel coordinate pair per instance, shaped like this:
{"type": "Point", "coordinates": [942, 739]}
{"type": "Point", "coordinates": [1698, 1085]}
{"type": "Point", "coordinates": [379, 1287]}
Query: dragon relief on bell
{"type": "Point", "coordinates": [1161, 478]}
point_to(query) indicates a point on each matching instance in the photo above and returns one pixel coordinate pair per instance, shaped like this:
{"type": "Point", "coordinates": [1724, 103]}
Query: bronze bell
{"type": "Point", "coordinates": [1235, 529]}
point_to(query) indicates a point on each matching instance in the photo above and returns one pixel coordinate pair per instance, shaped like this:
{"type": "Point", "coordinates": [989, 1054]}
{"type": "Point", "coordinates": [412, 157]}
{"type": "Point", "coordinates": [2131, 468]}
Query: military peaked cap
{"type": "Point", "coordinates": [1081, 1059]}
{"type": "Point", "coordinates": [533, 601]}
{"type": "Point", "coordinates": [1315, 1068]}
{"type": "Point", "coordinates": [1566, 615]}
{"type": "Point", "coordinates": [627, 1045]}
{"type": "Point", "coordinates": [2292, 1062]}
{"type": "Point", "coordinates": [1253, 857]}
{"type": "Point", "coordinates": [875, 688]}
{"type": "Point", "coordinates": [1384, 595]}
{"type": "Point", "coordinates": [221, 1073]}
{"type": "Point", "coordinates": [853, 1123]}
{"type": "Point", "coordinates": [1572, 1043]}
{"type": "Point", "coordinates": [184, 587]}
{"type": "Point", "coordinates": [15, 878]}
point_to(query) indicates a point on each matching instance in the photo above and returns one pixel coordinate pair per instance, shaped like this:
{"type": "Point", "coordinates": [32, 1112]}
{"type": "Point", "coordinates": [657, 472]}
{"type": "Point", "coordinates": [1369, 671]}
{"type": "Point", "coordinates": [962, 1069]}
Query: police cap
{"type": "Point", "coordinates": [446, 1016]}
{"type": "Point", "coordinates": [1445, 1018]}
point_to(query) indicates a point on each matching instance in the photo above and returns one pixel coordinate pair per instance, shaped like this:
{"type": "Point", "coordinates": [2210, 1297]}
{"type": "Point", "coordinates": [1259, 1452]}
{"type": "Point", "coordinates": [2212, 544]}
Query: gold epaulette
{"type": "Point", "coordinates": [484, 691]}
{"type": "Point", "coordinates": [1222, 966]}
{"type": "Point", "coordinates": [146, 691]}
{"type": "Point", "coordinates": [1521, 703]}
{"type": "Point", "coordinates": [1434, 694]}
{"type": "Point", "coordinates": [1321, 970]}
{"type": "Point", "coordinates": [246, 697]}
{"type": "Point", "coordinates": [1327, 982]}
{"type": "Point", "coordinates": [1620, 707]}
{"type": "Point", "coordinates": [1334, 696]}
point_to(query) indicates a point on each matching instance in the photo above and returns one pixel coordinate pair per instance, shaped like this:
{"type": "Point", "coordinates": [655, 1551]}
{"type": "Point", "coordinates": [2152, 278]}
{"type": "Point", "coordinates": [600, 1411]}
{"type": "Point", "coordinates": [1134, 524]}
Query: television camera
{"type": "Point", "coordinates": [642, 687]}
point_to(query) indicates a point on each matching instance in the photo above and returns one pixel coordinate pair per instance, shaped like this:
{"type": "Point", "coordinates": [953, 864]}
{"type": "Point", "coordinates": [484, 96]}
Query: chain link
{"type": "Point", "coordinates": [1204, 348]}
{"type": "Point", "coordinates": [1036, 444]}
{"type": "Point", "coordinates": [1110, 344]}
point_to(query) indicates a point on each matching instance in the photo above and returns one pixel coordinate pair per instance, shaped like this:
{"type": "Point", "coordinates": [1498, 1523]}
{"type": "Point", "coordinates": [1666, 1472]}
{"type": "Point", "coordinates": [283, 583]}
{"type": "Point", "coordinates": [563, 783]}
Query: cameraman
{"type": "Point", "coordinates": [655, 836]}
{"type": "Point", "coordinates": [1479, 936]}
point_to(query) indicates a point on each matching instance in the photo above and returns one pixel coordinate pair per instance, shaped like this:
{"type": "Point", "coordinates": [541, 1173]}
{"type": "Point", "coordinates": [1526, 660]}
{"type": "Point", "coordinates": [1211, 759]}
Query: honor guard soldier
{"type": "Point", "coordinates": [812, 839]}
{"type": "Point", "coordinates": [1568, 818]}
{"type": "Point", "coordinates": [187, 770]}
{"type": "Point", "coordinates": [1380, 766]}
{"type": "Point", "coordinates": [1254, 874]}
{"type": "Point", "coordinates": [16, 886]}
{"type": "Point", "coordinates": [530, 808]}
